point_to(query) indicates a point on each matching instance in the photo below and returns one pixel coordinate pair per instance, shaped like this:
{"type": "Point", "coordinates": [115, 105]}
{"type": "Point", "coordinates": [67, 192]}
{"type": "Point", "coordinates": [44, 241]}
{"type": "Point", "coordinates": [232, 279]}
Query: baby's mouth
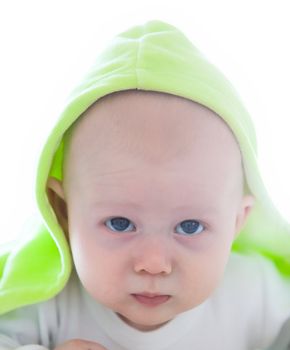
{"type": "Point", "coordinates": [150, 299]}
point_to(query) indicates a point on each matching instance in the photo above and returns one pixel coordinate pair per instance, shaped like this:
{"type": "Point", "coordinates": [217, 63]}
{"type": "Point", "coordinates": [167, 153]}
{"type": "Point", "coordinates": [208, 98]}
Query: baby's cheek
{"type": "Point", "coordinates": [96, 266]}
{"type": "Point", "coordinates": [102, 286]}
{"type": "Point", "coordinates": [203, 278]}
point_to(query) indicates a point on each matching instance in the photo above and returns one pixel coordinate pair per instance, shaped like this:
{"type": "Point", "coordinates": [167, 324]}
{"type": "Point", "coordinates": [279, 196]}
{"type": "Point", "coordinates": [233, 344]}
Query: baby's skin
{"type": "Point", "coordinates": [79, 344]}
{"type": "Point", "coordinates": [153, 190]}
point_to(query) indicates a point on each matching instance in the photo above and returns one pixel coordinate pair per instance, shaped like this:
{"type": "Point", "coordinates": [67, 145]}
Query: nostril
{"type": "Point", "coordinates": [153, 256]}
{"type": "Point", "coordinates": [153, 267]}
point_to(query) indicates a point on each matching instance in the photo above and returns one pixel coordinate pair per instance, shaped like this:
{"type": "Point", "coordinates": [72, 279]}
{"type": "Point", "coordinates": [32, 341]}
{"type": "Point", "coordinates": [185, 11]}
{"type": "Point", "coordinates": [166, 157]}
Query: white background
{"type": "Point", "coordinates": [46, 46]}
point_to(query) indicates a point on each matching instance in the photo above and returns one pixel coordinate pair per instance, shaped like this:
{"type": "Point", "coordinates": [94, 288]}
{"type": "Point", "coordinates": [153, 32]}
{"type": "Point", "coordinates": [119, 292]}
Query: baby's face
{"type": "Point", "coordinates": [154, 193]}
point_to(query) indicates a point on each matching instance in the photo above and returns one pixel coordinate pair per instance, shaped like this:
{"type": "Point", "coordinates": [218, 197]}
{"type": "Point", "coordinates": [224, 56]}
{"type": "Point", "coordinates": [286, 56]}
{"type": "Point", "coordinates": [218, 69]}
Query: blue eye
{"type": "Point", "coordinates": [189, 227]}
{"type": "Point", "coordinates": [120, 224]}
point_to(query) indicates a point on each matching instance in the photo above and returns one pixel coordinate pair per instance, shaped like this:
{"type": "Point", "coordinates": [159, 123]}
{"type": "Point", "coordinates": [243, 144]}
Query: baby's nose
{"type": "Point", "coordinates": [153, 256]}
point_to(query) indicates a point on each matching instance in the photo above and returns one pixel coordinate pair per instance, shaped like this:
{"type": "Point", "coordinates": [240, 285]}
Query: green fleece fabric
{"type": "Point", "coordinates": [155, 56]}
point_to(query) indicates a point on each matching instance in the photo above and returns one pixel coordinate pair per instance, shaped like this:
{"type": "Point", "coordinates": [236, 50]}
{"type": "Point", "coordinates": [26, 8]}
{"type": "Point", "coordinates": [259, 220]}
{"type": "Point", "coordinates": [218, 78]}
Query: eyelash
{"type": "Point", "coordinates": [131, 227]}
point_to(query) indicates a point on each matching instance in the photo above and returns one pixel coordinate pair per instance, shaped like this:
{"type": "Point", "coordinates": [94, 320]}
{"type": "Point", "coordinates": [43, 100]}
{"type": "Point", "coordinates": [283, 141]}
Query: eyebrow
{"type": "Point", "coordinates": [108, 203]}
{"type": "Point", "coordinates": [209, 210]}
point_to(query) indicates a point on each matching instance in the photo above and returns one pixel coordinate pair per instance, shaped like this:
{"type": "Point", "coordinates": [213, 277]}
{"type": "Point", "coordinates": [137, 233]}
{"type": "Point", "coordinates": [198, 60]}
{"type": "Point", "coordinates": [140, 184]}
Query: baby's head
{"type": "Point", "coordinates": [147, 186]}
{"type": "Point", "coordinates": [151, 201]}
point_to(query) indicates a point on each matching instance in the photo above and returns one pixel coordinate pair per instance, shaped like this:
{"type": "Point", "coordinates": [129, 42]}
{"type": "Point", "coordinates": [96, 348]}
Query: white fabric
{"type": "Point", "coordinates": [7, 343]}
{"type": "Point", "coordinates": [245, 313]}
{"type": "Point", "coordinates": [283, 340]}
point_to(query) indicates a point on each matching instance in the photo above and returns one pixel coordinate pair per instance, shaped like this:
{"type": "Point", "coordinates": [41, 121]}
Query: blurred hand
{"type": "Point", "coordinates": [79, 344]}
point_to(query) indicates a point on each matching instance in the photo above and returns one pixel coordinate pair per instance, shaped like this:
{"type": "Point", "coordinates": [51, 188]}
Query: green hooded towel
{"type": "Point", "coordinates": [155, 56]}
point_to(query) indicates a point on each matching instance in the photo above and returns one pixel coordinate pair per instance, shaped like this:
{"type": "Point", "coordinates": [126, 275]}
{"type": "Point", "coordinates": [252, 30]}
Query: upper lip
{"type": "Point", "coordinates": [150, 295]}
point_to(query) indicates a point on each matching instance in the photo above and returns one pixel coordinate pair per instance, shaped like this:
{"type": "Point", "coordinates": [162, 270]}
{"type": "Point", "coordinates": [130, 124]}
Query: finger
{"type": "Point", "coordinates": [80, 344]}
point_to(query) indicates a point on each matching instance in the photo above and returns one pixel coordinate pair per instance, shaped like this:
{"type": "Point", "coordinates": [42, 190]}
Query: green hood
{"type": "Point", "coordinates": [154, 56]}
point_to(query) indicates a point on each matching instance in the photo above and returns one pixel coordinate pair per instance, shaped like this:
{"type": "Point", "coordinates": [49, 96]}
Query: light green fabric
{"type": "Point", "coordinates": [154, 56]}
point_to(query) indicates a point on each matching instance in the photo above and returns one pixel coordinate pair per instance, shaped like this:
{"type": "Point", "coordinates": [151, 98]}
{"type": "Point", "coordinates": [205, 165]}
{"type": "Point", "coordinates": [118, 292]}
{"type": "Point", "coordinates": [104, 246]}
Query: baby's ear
{"type": "Point", "coordinates": [246, 206]}
{"type": "Point", "coordinates": [55, 194]}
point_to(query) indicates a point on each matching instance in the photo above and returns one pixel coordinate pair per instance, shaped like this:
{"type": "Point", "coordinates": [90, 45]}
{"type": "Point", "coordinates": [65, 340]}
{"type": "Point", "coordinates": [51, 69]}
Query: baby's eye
{"type": "Point", "coordinates": [120, 224]}
{"type": "Point", "coordinates": [189, 227]}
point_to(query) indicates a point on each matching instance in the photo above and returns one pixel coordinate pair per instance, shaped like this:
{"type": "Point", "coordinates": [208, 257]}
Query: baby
{"type": "Point", "coordinates": [149, 182]}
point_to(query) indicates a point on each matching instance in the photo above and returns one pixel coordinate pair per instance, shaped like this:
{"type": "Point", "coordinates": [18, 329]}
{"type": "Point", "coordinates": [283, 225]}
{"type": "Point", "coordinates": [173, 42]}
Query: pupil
{"type": "Point", "coordinates": [120, 224]}
{"type": "Point", "coordinates": [189, 226]}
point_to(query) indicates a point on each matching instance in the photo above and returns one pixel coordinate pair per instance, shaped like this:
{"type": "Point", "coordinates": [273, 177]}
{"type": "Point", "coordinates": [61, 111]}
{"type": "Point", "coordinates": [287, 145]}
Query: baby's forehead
{"type": "Point", "coordinates": [150, 109]}
{"type": "Point", "coordinates": [151, 124]}
{"type": "Point", "coordinates": [139, 118]}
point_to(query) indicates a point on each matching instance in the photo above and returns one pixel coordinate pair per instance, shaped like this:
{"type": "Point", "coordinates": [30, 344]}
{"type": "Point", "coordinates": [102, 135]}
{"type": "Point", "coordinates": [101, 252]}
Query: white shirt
{"type": "Point", "coordinates": [244, 313]}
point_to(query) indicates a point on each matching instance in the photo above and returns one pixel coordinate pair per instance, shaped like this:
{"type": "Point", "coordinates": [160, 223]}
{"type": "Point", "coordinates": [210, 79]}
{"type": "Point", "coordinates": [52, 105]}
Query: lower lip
{"type": "Point", "coordinates": [151, 301]}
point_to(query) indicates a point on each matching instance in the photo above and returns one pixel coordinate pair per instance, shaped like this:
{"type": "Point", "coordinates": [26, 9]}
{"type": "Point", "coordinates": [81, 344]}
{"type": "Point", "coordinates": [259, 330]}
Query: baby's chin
{"type": "Point", "coordinates": [141, 327]}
